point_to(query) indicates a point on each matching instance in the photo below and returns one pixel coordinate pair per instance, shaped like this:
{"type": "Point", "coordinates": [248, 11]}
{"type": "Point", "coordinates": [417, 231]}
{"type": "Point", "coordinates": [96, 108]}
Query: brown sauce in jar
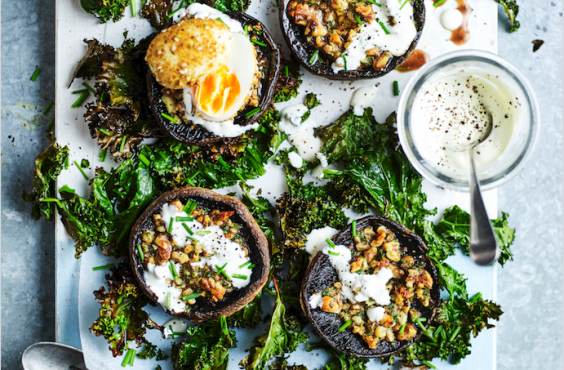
{"type": "Point", "coordinates": [415, 61]}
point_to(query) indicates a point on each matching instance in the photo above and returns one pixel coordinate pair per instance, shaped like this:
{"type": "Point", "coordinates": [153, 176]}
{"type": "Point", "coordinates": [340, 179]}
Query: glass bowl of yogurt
{"type": "Point", "coordinates": [445, 107]}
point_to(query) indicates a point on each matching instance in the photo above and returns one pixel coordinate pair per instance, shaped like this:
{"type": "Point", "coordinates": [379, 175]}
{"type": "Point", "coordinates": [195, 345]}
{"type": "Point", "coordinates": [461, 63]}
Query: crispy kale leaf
{"type": "Point", "coordinates": [281, 363]}
{"type": "Point", "coordinates": [122, 318]}
{"type": "Point", "coordinates": [374, 159]}
{"type": "Point", "coordinates": [339, 360]}
{"type": "Point", "coordinates": [455, 228]}
{"type": "Point", "coordinates": [282, 336]}
{"type": "Point", "coordinates": [310, 101]}
{"type": "Point", "coordinates": [451, 280]}
{"type": "Point", "coordinates": [213, 166]}
{"type": "Point", "coordinates": [207, 349]}
{"type": "Point", "coordinates": [151, 351]}
{"type": "Point", "coordinates": [439, 247]}
{"type": "Point", "coordinates": [289, 81]}
{"type": "Point", "coordinates": [120, 117]}
{"type": "Point", "coordinates": [48, 165]}
{"type": "Point", "coordinates": [511, 9]}
{"type": "Point", "coordinates": [106, 10]}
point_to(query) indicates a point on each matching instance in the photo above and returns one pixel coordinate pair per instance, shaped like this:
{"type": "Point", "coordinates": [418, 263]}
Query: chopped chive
{"type": "Point", "coordinates": [358, 20]}
{"type": "Point", "coordinates": [327, 367]}
{"type": "Point", "coordinates": [190, 207]}
{"type": "Point", "coordinates": [252, 266]}
{"type": "Point", "coordinates": [333, 253]}
{"type": "Point", "coordinates": [123, 139]}
{"type": "Point", "coordinates": [187, 228]}
{"type": "Point", "coordinates": [244, 264]}
{"type": "Point", "coordinates": [171, 119]}
{"type": "Point", "coordinates": [402, 5]}
{"type": "Point", "coordinates": [102, 95]}
{"type": "Point", "coordinates": [81, 170]}
{"type": "Point", "coordinates": [48, 108]}
{"type": "Point", "coordinates": [219, 19]}
{"type": "Point", "coordinates": [240, 177]}
{"type": "Point", "coordinates": [418, 321]}
{"type": "Point", "coordinates": [203, 232]}
{"type": "Point", "coordinates": [237, 276]}
{"type": "Point", "coordinates": [168, 301]}
{"type": "Point", "coordinates": [192, 238]}
{"type": "Point", "coordinates": [171, 331]}
{"type": "Point", "coordinates": [396, 88]}
{"type": "Point", "coordinates": [103, 267]}
{"type": "Point", "coordinates": [438, 3]}
{"type": "Point", "coordinates": [50, 125]}
{"type": "Point", "coordinates": [133, 12]}
{"type": "Point", "coordinates": [313, 57]}
{"type": "Point", "coordinates": [402, 69]}
{"type": "Point", "coordinates": [345, 60]}
{"type": "Point", "coordinates": [438, 331]}
{"type": "Point", "coordinates": [384, 27]}
{"type": "Point", "coordinates": [89, 88]}
{"type": "Point", "coordinates": [49, 200]}
{"type": "Point", "coordinates": [422, 319]}
{"type": "Point", "coordinates": [79, 91]}
{"type": "Point", "coordinates": [252, 113]}
{"type": "Point", "coordinates": [222, 162]}
{"type": "Point", "coordinates": [105, 132]}
{"type": "Point", "coordinates": [246, 31]}
{"type": "Point", "coordinates": [354, 234]}
{"type": "Point", "coordinates": [345, 325]}
{"type": "Point", "coordinates": [170, 224]}
{"type": "Point", "coordinates": [374, 2]}
{"type": "Point", "coordinates": [132, 357]}
{"type": "Point", "coordinates": [67, 163]}
{"type": "Point", "coordinates": [402, 329]}
{"type": "Point", "coordinates": [331, 244]}
{"type": "Point", "coordinates": [172, 270]}
{"type": "Point", "coordinates": [271, 292]}
{"type": "Point", "coordinates": [103, 155]}
{"type": "Point", "coordinates": [81, 99]}
{"type": "Point", "coordinates": [141, 255]}
{"type": "Point", "coordinates": [428, 364]}
{"type": "Point", "coordinates": [35, 74]}
{"type": "Point", "coordinates": [174, 12]}
{"type": "Point", "coordinates": [258, 42]}
{"type": "Point", "coordinates": [126, 359]}
{"type": "Point", "coordinates": [453, 336]}
{"type": "Point", "coordinates": [178, 218]}
{"type": "Point", "coordinates": [432, 344]}
{"type": "Point", "coordinates": [144, 159]}
{"type": "Point", "coordinates": [286, 71]}
{"type": "Point", "coordinates": [220, 269]}
{"type": "Point", "coordinates": [190, 296]}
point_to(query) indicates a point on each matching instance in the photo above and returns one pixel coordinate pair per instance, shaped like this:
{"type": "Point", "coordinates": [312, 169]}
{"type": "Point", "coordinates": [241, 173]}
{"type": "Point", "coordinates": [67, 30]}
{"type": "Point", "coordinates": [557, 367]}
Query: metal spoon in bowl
{"type": "Point", "coordinates": [483, 246]}
{"type": "Point", "coordinates": [52, 356]}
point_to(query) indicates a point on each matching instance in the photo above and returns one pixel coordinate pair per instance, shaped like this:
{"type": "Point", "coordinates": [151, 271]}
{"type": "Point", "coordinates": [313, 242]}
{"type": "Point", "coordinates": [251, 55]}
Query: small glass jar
{"type": "Point", "coordinates": [526, 127]}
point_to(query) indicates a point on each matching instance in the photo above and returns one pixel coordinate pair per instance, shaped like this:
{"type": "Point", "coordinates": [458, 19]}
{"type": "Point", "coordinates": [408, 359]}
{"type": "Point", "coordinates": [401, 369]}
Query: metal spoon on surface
{"type": "Point", "coordinates": [52, 356]}
{"type": "Point", "coordinates": [483, 246]}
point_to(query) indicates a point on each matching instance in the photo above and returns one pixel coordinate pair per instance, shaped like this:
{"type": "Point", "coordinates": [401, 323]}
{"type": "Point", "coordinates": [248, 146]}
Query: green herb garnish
{"type": "Point", "coordinates": [345, 325]}
{"type": "Point", "coordinates": [141, 255]}
{"type": "Point", "coordinates": [35, 74]}
{"type": "Point", "coordinates": [190, 296]}
{"type": "Point", "coordinates": [103, 267]}
{"type": "Point", "coordinates": [81, 170]}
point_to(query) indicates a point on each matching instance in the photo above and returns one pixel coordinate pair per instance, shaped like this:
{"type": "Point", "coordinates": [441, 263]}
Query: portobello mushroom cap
{"type": "Point", "coordinates": [194, 134]}
{"type": "Point", "coordinates": [302, 50]}
{"type": "Point", "coordinates": [257, 244]}
{"type": "Point", "coordinates": [320, 274]}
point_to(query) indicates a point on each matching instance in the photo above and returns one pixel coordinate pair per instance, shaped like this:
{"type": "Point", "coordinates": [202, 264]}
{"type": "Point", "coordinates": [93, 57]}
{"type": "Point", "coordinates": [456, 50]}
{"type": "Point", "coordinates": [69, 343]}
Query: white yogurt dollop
{"type": "Point", "coordinates": [375, 314]}
{"type": "Point", "coordinates": [201, 11]}
{"type": "Point", "coordinates": [295, 160]}
{"type": "Point", "coordinates": [451, 19]}
{"type": "Point", "coordinates": [316, 239]}
{"type": "Point", "coordinates": [315, 300]}
{"type": "Point", "coordinates": [362, 98]}
{"type": "Point", "coordinates": [178, 327]}
{"type": "Point", "coordinates": [450, 113]}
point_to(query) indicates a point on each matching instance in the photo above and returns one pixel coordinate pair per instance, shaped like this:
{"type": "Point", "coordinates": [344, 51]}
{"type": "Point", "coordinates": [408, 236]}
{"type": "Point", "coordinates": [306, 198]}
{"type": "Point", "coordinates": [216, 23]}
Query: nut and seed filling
{"type": "Point", "coordinates": [331, 24]}
{"type": "Point", "coordinates": [193, 278]}
{"type": "Point", "coordinates": [373, 250]}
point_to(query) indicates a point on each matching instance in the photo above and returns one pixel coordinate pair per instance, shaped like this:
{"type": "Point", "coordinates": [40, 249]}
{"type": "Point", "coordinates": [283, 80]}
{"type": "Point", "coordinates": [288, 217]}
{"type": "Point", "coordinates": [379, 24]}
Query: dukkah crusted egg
{"type": "Point", "coordinates": [185, 53]}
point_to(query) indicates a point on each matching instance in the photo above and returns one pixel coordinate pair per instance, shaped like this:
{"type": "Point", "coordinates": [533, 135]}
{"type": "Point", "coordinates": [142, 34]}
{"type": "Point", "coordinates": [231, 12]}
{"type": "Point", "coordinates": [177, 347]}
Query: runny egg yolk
{"type": "Point", "coordinates": [218, 92]}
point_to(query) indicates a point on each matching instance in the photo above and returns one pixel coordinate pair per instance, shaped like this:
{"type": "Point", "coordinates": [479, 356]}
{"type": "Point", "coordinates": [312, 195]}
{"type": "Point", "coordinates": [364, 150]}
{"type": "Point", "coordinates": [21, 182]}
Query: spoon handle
{"type": "Point", "coordinates": [483, 246]}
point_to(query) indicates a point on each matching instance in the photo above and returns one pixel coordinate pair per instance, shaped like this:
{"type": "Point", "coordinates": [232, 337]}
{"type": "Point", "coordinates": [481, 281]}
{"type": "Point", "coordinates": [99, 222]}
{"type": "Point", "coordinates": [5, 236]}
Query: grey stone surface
{"type": "Point", "coordinates": [530, 288]}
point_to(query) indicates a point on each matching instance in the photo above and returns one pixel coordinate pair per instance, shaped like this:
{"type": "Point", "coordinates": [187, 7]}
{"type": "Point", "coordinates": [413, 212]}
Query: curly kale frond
{"type": "Point", "coordinates": [207, 349]}
{"type": "Point", "coordinates": [282, 336]}
{"type": "Point", "coordinates": [48, 166]}
{"type": "Point", "coordinates": [289, 81]}
{"type": "Point", "coordinates": [512, 10]}
{"type": "Point", "coordinates": [339, 360]}
{"type": "Point", "coordinates": [106, 10]}
{"type": "Point", "coordinates": [281, 363]}
{"type": "Point", "coordinates": [122, 318]}
{"type": "Point", "coordinates": [150, 351]}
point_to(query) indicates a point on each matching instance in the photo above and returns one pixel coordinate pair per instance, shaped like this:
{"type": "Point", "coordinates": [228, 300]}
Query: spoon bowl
{"type": "Point", "coordinates": [52, 356]}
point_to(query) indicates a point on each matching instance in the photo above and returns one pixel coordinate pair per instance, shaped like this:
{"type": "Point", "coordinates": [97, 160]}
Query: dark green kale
{"type": "Point", "coordinates": [339, 360]}
{"type": "Point", "coordinates": [282, 336]}
{"type": "Point", "coordinates": [439, 247]}
{"type": "Point", "coordinates": [455, 228]}
{"type": "Point", "coordinates": [120, 118]}
{"type": "Point", "coordinates": [281, 363]}
{"type": "Point", "coordinates": [348, 192]}
{"type": "Point", "coordinates": [207, 349]}
{"type": "Point", "coordinates": [48, 166]}
{"type": "Point", "coordinates": [374, 159]}
{"type": "Point", "coordinates": [451, 280]}
{"type": "Point", "coordinates": [289, 81]}
{"type": "Point", "coordinates": [151, 351]}
{"type": "Point", "coordinates": [310, 101]}
{"type": "Point", "coordinates": [106, 10]}
{"type": "Point", "coordinates": [174, 164]}
{"type": "Point", "coordinates": [511, 9]}
{"type": "Point", "coordinates": [122, 318]}
{"type": "Point", "coordinates": [85, 163]}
